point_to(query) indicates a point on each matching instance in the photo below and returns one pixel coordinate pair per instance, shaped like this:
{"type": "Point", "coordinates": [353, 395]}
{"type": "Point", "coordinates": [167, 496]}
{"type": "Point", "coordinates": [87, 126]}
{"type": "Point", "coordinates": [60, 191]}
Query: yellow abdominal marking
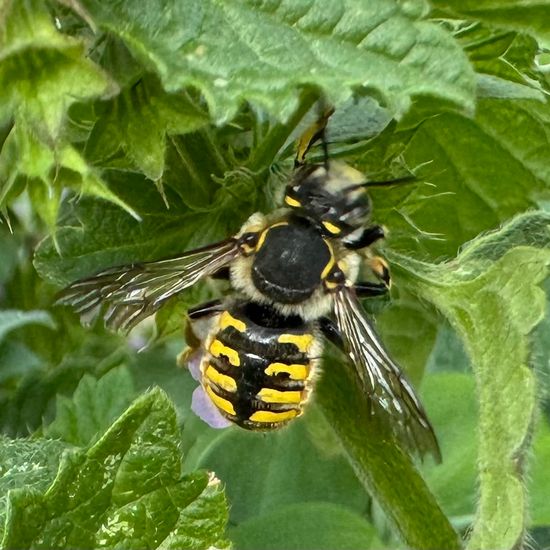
{"type": "Point", "coordinates": [222, 404]}
{"type": "Point", "coordinates": [227, 320]}
{"type": "Point", "coordinates": [217, 349]}
{"type": "Point", "coordinates": [268, 395]}
{"type": "Point", "coordinates": [222, 380]}
{"type": "Point", "coordinates": [301, 341]}
{"type": "Point", "coordinates": [293, 202]}
{"type": "Point", "coordinates": [295, 372]}
{"type": "Point", "coordinates": [270, 416]}
{"type": "Point", "coordinates": [334, 229]}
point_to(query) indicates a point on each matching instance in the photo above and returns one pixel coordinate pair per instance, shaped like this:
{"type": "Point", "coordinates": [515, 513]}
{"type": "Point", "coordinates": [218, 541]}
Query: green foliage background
{"type": "Point", "coordinates": [136, 130]}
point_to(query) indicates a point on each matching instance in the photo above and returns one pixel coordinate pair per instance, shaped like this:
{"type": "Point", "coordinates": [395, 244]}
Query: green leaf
{"type": "Point", "coordinates": [285, 468]}
{"type": "Point", "coordinates": [95, 235]}
{"type": "Point", "coordinates": [530, 16]}
{"type": "Point", "coordinates": [16, 360]}
{"type": "Point", "coordinates": [262, 53]}
{"type": "Point", "coordinates": [26, 463]}
{"type": "Point", "coordinates": [490, 295]}
{"type": "Point", "coordinates": [138, 120]}
{"type": "Point", "coordinates": [32, 402]}
{"type": "Point", "coordinates": [539, 482]}
{"type": "Point", "coordinates": [93, 407]}
{"type": "Point", "coordinates": [505, 62]}
{"type": "Point", "coordinates": [481, 172]}
{"type": "Point", "coordinates": [451, 399]}
{"type": "Point", "coordinates": [408, 324]}
{"type": "Point", "coordinates": [306, 526]}
{"type": "Point", "coordinates": [126, 490]}
{"type": "Point", "coordinates": [13, 319]}
{"type": "Point", "coordinates": [378, 462]}
{"type": "Point", "coordinates": [47, 71]}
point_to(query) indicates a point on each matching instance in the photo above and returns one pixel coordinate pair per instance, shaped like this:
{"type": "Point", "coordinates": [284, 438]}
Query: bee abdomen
{"type": "Point", "coordinates": [258, 377]}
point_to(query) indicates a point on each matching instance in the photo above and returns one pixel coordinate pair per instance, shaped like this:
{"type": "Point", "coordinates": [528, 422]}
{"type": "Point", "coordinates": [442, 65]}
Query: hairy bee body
{"type": "Point", "coordinates": [289, 264]}
{"type": "Point", "coordinates": [258, 366]}
{"type": "Point", "coordinates": [294, 278]}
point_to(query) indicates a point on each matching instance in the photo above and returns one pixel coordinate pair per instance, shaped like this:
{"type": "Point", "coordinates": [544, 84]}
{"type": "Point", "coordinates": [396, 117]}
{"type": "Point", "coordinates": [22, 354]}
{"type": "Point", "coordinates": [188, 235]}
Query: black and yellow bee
{"type": "Point", "coordinates": [294, 273]}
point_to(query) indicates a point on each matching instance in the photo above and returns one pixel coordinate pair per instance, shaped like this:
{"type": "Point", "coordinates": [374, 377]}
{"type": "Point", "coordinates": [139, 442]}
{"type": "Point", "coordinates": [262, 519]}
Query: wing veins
{"type": "Point", "coordinates": [382, 379]}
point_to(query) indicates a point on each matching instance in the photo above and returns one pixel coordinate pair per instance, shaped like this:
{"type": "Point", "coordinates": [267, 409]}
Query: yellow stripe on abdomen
{"type": "Point", "coordinates": [227, 320]}
{"type": "Point", "coordinates": [222, 380]}
{"type": "Point", "coordinates": [295, 372]}
{"type": "Point", "coordinates": [222, 404]}
{"type": "Point", "coordinates": [302, 341]}
{"type": "Point", "coordinates": [271, 416]}
{"type": "Point", "coordinates": [217, 349]}
{"type": "Point", "coordinates": [269, 395]}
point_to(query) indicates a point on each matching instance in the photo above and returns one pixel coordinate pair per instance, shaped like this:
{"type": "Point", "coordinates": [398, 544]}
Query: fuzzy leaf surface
{"type": "Point", "coordinates": [102, 495]}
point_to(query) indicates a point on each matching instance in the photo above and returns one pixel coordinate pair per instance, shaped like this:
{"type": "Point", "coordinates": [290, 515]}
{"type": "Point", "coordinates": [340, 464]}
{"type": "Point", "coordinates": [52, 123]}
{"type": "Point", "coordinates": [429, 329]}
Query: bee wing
{"type": "Point", "coordinates": [388, 389]}
{"type": "Point", "coordinates": [134, 292]}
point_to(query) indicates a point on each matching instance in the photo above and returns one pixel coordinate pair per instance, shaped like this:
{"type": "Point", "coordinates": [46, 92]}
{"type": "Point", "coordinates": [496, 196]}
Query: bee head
{"type": "Point", "coordinates": [334, 199]}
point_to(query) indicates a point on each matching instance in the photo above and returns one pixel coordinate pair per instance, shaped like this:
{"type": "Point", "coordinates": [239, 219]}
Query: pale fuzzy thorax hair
{"type": "Point", "coordinates": [320, 303]}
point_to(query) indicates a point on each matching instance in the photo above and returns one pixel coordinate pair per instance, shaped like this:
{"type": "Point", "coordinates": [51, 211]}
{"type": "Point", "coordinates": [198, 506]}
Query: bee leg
{"type": "Point", "coordinates": [370, 290]}
{"type": "Point", "coordinates": [205, 310]}
{"type": "Point", "coordinates": [369, 236]}
{"type": "Point", "coordinates": [331, 333]}
{"type": "Point", "coordinates": [380, 269]}
{"type": "Point", "coordinates": [195, 330]}
{"type": "Point", "coordinates": [222, 274]}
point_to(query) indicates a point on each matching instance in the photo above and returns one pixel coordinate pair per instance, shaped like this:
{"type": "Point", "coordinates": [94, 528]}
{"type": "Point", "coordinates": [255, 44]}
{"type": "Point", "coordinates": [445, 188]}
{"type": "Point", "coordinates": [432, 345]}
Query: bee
{"type": "Point", "coordinates": [294, 275]}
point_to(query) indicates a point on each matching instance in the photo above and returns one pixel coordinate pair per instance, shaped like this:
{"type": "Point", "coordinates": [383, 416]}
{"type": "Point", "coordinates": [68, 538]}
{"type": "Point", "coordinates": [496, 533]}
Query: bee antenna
{"type": "Point", "coordinates": [386, 183]}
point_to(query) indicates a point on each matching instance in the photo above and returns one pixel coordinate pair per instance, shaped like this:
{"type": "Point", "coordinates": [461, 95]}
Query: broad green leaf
{"type": "Point", "coordinates": [28, 159]}
{"type": "Point", "coordinates": [95, 235]}
{"type": "Point", "coordinates": [26, 463]}
{"type": "Point", "coordinates": [32, 403]}
{"type": "Point", "coordinates": [264, 52]}
{"type": "Point", "coordinates": [47, 71]}
{"type": "Point", "coordinates": [408, 325]}
{"type": "Point", "coordinates": [138, 121]}
{"type": "Point", "coordinates": [480, 172]}
{"type": "Point", "coordinates": [378, 462]}
{"type": "Point", "coordinates": [126, 490]}
{"type": "Point", "coordinates": [12, 319]}
{"type": "Point", "coordinates": [93, 407]}
{"type": "Point", "coordinates": [505, 62]}
{"type": "Point", "coordinates": [312, 526]}
{"type": "Point", "coordinates": [448, 354]}
{"type": "Point", "coordinates": [284, 468]}
{"type": "Point", "coordinates": [530, 16]}
{"type": "Point", "coordinates": [490, 295]}
{"type": "Point", "coordinates": [539, 481]}
{"type": "Point", "coordinates": [157, 365]}
{"type": "Point", "coordinates": [16, 360]}
{"type": "Point", "coordinates": [451, 399]}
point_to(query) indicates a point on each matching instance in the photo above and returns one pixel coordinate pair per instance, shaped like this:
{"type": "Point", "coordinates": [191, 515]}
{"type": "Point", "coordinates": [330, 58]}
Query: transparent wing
{"type": "Point", "coordinates": [382, 380]}
{"type": "Point", "coordinates": [134, 292]}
